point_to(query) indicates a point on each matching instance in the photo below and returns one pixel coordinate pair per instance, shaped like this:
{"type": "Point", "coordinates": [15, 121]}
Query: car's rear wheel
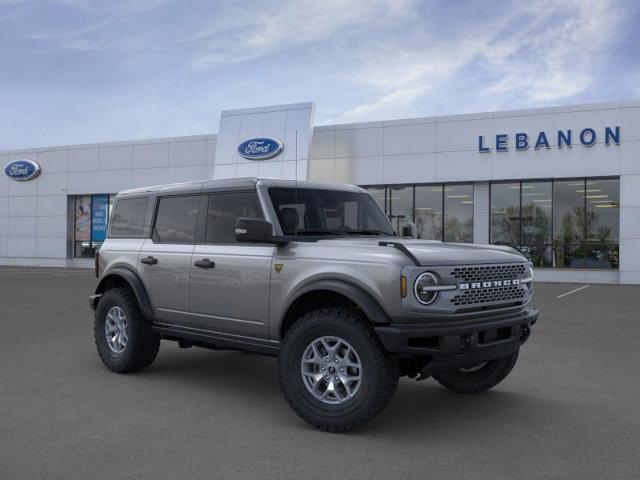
{"type": "Point", "coordinates": [123, 337]}
{"type": "Point", "coordinates": [477, 378]}
{"type": "Point", "coordinates": [333, 370]}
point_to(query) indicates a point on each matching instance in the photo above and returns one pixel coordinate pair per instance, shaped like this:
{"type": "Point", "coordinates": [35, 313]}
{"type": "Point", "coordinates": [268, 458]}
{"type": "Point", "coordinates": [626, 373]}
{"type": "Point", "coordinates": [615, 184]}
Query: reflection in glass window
{"type": "Point", "coordinates": [603, 223]}
{"type": "Point", "coordinates": [223, 212]}
{"type": "Point", "coordinates": [400, 206]}
{"type": "Point", "coordinates": [458, 213]}
{"type": "Point", "coordinates": [129, 217]}
{"type": "Point", "coordinates": [536, 221]}
{"type": "Point", "coordinates": [440, 212]}
{"type": "Point", "coordinates": [565, 223]}
{"type": "Point", "coordinates": [378, 194]}
{"type": "Point", "coordinates": [505, 213]}
{"type": "Point", "coordinates": [176, 219]}
{"type": "Point", "coordinates": [428, 212]}
{"type": "Point", "coordinates": [569, 223]}
{"type": "Point", "coordinates": [603, 209]}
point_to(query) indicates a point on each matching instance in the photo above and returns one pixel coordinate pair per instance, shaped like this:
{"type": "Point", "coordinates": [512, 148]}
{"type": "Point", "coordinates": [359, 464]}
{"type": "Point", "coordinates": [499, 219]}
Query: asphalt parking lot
{"type": "Point", "coordinates": [570, 408]}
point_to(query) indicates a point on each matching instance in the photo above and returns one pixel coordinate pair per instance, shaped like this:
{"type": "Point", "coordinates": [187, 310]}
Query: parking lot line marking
{"type": "Point", "coordinates": [573, 291]}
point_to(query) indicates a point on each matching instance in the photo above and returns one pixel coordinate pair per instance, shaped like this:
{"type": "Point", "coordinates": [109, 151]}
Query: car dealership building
{"type": "Point", "coordinates": [560, 184]}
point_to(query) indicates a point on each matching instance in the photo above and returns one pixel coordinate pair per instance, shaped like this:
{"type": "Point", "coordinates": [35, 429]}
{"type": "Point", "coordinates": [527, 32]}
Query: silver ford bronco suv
{"type": "Point", "coordinates": [314, 274]}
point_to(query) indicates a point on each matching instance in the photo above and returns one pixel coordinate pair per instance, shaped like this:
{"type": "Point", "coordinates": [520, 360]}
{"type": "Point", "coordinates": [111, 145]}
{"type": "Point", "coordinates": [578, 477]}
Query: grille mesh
{"type": "Point", "coordinates": [489, 272]}
{"type": "Point", "coordinates": [489, 295]}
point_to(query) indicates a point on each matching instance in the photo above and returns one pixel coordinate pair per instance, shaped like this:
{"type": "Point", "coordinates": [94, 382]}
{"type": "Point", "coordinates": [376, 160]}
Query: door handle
{"type": "Point", "coordinates": [149, 260]}
{"type": "Point", "coordinates": [204, 263]}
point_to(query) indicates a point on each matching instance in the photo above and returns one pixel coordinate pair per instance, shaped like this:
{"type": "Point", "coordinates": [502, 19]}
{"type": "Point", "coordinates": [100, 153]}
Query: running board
{"type": "Point", "coordinates": [220, 340]}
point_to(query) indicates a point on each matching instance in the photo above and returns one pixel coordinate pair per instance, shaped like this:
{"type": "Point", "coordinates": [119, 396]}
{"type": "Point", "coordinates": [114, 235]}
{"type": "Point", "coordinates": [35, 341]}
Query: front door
{"type": "Point", "coordinates": [230, 280]}
{"type": "Point", "coordinates": [165, 259]}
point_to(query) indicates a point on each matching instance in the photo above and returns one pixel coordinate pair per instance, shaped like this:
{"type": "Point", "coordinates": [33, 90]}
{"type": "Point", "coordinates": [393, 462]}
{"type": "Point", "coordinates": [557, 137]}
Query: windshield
{"type": "Point", "coordinates": [309, 211]}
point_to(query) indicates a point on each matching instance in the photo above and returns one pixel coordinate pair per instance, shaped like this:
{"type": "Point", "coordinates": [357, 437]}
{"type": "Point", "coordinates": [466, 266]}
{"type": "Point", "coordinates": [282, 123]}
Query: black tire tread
{"type": "Point", "coordinates": [143, 344]}
{"type": "Point", "coordinates": [389, 375]}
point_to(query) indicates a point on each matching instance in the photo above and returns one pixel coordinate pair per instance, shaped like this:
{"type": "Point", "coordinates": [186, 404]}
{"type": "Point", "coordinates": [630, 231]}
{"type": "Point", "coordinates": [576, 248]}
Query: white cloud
{"type": "Point", "coordinates": [161, 68]}
{"type": "Point", "coordinates": [544, 52]}
{"type": "Point", "coordinates": [288, 24]}
{"type": "Point", "coordinates": [554, 63]}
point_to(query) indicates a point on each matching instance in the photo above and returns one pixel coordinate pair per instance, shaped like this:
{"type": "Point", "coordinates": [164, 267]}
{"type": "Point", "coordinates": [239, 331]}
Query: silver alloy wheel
{"type": "Point", "coordinates": [331, 370]}
{"type": "Point", "coordinates": [116, 330]}
{"type": "Point", "coordinates": [474, 368]}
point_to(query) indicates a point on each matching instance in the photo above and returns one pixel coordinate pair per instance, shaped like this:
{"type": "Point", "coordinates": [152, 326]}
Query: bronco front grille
{"type": "Point", "coordinates": [489, 272]}
{"type": "Point", "coordinates": [479, 296]}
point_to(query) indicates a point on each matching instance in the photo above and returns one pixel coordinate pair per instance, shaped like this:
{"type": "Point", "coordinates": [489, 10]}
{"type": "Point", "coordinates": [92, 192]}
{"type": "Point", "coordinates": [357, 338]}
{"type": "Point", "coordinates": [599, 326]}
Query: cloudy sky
{"type": "Point", "coordinates": [80, 71]}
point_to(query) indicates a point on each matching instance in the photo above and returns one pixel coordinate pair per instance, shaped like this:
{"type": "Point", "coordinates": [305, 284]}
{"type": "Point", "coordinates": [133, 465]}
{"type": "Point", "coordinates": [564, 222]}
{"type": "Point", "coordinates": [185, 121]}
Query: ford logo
{"type": "Point", "coordinates": [260, 148]}
{"type": "Point", "coordinates": [22, 170]}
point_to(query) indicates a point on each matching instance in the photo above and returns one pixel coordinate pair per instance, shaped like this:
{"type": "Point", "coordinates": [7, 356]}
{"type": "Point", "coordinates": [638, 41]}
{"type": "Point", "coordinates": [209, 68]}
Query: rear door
{"type": "Point", "coordinates": [230, 280]}
{"type": "Point", "coordinates": [165, 258]}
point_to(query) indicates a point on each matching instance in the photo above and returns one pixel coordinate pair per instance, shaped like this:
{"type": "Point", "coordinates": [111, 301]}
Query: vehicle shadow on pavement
{"type": "Point", "coordinates": [416, 406]}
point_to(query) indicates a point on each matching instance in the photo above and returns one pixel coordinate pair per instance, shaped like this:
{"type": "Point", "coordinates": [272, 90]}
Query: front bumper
{"type": "Point", "coordinates": [462, 344]}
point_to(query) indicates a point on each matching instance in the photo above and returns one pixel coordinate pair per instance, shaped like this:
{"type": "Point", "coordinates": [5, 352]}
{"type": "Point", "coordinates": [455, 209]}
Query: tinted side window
{"type": "Point", "coordinates": [224, 209]}
{"type": "Point", "coordinates": [127, 219]}
{"type": "Point", "coordinates": [176, 219]}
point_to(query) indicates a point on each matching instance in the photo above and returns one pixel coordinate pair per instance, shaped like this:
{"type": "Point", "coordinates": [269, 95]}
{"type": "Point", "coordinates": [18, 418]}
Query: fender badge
{"type": "Point", "coordinates": [278, 267]}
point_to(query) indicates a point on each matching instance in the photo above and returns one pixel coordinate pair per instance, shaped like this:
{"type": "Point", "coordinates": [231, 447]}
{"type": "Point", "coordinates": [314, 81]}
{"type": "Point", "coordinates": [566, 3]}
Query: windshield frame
{"type": "Point", "coordinates": [378, 223]}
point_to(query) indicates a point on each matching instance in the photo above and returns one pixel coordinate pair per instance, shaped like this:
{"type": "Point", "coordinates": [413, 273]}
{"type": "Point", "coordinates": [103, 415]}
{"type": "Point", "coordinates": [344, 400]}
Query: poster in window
{"type": "Point", "coordinates": [99, 217]}
{"type": "Point", "coordinates": [82, 229]}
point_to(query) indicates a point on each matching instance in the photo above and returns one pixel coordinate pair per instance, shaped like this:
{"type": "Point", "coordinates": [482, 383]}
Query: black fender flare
{"type": "Point", "coordinates": [362, 299]}
{"type": "Point", "coordinates": [134, 282]}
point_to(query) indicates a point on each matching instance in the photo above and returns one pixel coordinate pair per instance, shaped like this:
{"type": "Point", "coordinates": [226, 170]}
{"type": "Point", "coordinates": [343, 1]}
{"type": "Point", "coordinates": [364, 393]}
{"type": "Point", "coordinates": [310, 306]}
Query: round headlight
{"type": "Point", "coordinates": [529, 277]}
{"type": "Point", "coordinates": [422, 290]}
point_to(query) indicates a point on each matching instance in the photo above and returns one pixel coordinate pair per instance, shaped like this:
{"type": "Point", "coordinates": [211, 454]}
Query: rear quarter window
{"type": "Point", "coordinates": [128, 217]}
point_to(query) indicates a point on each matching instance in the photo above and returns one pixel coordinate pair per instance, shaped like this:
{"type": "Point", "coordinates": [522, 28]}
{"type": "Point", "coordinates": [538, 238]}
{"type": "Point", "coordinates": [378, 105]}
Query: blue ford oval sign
{"type": "Point", "coordinates": [260, 148]}
{"type": "Point", "coordinates": [22, 170]}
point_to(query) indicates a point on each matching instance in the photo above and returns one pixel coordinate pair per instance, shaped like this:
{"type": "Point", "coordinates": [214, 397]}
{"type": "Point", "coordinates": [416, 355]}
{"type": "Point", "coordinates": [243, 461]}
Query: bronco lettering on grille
{"type": "Point", "coordinates": [493, 283]}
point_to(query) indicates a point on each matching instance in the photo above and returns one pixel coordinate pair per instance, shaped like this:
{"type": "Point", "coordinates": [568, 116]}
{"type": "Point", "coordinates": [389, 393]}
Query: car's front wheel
{"type": "Point", "coordinates": [477, 378]}
{"type": "Point", "coordinates": [333, 370]}
{"type": "Point", "coordinates": [123, 337]}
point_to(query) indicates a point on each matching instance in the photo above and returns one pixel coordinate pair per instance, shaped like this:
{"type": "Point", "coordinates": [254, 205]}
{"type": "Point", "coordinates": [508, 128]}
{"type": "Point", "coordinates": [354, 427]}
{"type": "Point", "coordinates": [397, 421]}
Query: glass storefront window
{"type": "Point", "coordinates": [569, 223]}
{"type": "Point", "coordinates": [536, 221]}
{"type": "Point", "coordinates": [91, 218]}
{"type": "Point", "coordinates": [400, 200]}
{"type": "Point", "coordinates": [428, 211]}
{"type": "Point", "coordinates": [603, 224]}
{"type": "Point", "coordinates": [440, 212]}
{"type": "Point", "coordinates": [458, 213]}
{"type": "Point", "coordinates": [564, 223]}
{"type": "Point", "coordinates": [505, 214]}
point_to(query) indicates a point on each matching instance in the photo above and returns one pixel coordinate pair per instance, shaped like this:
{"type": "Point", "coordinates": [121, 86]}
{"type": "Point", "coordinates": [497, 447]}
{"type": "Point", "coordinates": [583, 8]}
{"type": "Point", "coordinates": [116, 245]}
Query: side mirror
{"type": "Point", "coordinates": [254, 230]}
{"type": "Point", "coordinates": [410, 229]}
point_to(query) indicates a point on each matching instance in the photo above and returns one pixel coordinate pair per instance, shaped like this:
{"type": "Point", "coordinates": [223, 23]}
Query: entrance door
{"type": "Point", "coordinates": [165, 259]}
{"type": "Point", "coordinates": [230, 280]}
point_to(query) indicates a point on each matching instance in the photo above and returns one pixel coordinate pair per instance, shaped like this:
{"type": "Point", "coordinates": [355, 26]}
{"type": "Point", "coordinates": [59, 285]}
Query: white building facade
{"type": "Point", "coordinates": [560, 184]}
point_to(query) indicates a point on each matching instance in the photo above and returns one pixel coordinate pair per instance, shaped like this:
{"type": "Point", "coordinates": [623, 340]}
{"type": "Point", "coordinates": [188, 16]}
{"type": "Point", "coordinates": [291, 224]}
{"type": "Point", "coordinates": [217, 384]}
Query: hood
{"type": "Point", "coordinates": [439, 253]}
{"type": "Point", "coordinates": [433, 252]}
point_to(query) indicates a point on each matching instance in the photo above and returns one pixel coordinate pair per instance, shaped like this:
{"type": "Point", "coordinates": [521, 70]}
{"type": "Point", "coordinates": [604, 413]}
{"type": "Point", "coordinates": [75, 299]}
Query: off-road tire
{"type": "Point", "coordinates": [379, 372]}
{"type": "Point", "coordinates": [142, 344]}
{"type": "Point", "coordinates": [487, 377]}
